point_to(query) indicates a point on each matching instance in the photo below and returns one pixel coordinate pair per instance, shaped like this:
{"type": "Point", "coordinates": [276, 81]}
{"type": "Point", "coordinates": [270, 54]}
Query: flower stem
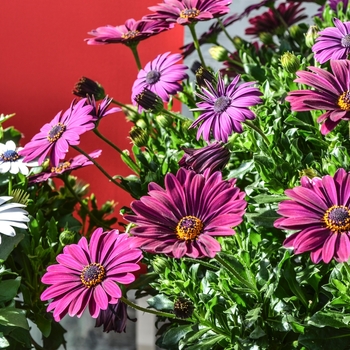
{"type": "Point", "coordinates": [258, 130]}
{"type": "Point", "coordinates": [10, 185]}
{"type": "Point", "coordinates": [136, 55]}
{"type": "Point", "coordinates": [196, 43]}
{"type": "Point", "coordinates": [201, 262]}
{"type": "Point", "coordinates": [226, 32]}
{"type": "Point", "coordinates": [125, 106]}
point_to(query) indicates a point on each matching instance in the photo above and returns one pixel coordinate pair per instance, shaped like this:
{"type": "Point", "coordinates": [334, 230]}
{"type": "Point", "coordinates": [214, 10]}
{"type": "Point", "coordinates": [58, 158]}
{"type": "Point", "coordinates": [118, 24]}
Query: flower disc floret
{"type": "Point", "coordinates": [337, 218]}
{"type": "Point", "coordinates": [189, 228]}
{"type": "Point", "coordinates": [92, 274]}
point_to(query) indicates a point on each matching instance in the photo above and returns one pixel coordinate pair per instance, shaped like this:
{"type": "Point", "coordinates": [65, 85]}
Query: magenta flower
{"type": "Point", "coordinates": [225, 108]}
{"type": "Point", "coordinates": [55, 137]}
{"type": "Point", "coordinates": [77, 162]}
{"type": "Point", "coordinates": [331, 93]}
{"type": "Point", "coordinates": [129, 33]}
{"type": "Point", "coordinates": [333, 43]}
{"type": "Point", "coordinates": [320, 210]}
{"type": "Point", "coordinates": [183, 219]}
{"type": "Point", "coordinates": [189, 11]}
{"type": "Point", "coordinates": [100, 111]}
{"type": "Point", "coordinates": [161, 76]}
{"type": "Point", "coordinates": [87, 275]}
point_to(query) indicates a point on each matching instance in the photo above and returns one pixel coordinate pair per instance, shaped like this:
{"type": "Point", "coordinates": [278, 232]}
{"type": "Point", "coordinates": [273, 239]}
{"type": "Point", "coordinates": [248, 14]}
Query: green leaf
{"type": "Point", "coordinates": [327, 318]}
{"type": "Point", "coordinates": [3, 341]}
{"type": "Point", "coordinates": [43, 324]}
{"type": "Point", "coordinates": [207, 343]}
{"type": "Point", "coordinates": [8, 244]}
{"type": "Point", "coordinates": [173, 335]}
{"type": "Point", "coordinates": [8, 289]}
{"type": "Point", "coordinates": [161, 302]}
{"type": "Point", "coordinates": [13, 317]}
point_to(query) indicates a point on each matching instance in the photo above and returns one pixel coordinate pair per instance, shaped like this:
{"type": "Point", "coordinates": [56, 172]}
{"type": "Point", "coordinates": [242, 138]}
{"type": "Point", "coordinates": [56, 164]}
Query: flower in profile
{"type": "Point", "coordinates": [77, 162]}
{"type": "Point", "coordinates": [183, 219]}
{"type": "Point", "coordinates": [211, 158]}
{"type": "Point", "coordinates": [331, 93]}
{"type": "Point", "coordinates": [202, 74]}
{"type": "Point", "coordinates": [87, 275]}
{"type": "Point", "coordinates": [11, 161]}
{"type": "Point", "coordinates": [11, 215]}
{"type": "Point", "coordinates": [129, 33]}
{"type": "Point", "coordinates": [101, 110]}
{"type": "Point", "coordinates": [268, 22]}
{"type": "Point", "coordinates": [189, 11]}
{"type": "Point", "coordinates": [55, 137]}
{"type": "Point", "coordinates": [225, 108]}
{"type": "Point", "coordinates": [320, 210]}
{"type": "Point", "coordinates": [161, 76]}
{"type": "Point", "coordinates": [87, 87]}
{"type": "Point", "coordinates": [113, 318]}
{"type": "Point", "coordinates": [333, 43]}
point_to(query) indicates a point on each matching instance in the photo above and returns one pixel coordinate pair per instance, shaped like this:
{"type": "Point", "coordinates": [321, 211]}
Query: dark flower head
{"type": "Point", "coordinates": [211, 158]}
{"type": "Point", "coordinates": [202, 74]}
{"type": "Point", "coordinates": [55, 137]}
{"type": "Point", "coordinates": [100, 111]}
{"type": "Point", "coordinates": [268, 22]}
{"type": "Point", "coordinates": [87, 275]}
{"type": "Point", "coordinates": [330, 93]}
{"type": "Point", "coordinates": [183, 219]}
{"type": "Point", "coordinates": [77, 162]}
{"type": "Point", "coordinates": [138, 136]}
{"type": "Point", "coordinates": [86, 87]}
{"type": "Point", "coordinates": [333, 43]}
{"type": "Point", "coordinates": [189, 11]}
{"type": "Point", "coordinates": [149, 101]}
{"type": "Point", "coordinates": [319, 210]}
{"type": "Point", "coordinates": [130, 33]}
{"type": "Point", "coordinates": [225, 108]}
{"type": "Point", "coordinates": [183, 308]}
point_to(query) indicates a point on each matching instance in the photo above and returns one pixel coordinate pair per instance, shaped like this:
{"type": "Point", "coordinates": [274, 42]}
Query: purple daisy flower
{"type": "Point", "coordinates": [87, 275]}
{"type": "Point", "coordinates": [77, 162]}
{"type": "Point", "coordinates": [320, 210]}
{"type": "Point", "coordinates": [56, 137]}
{"type": "Point", "coordinates": [211, 158]}
{"type": "Point", "coordinates": [101, 111]}
{"type": "Point", "coordinates": [129, 33]}
{"type": "Point", "coordinates": [183, 219]}
{"type": "Point", "coordinates": [331, 94]}
{"type": "Point", "coordinates": [189, 11]}
{"type": "Point", "coordinates": [225, 108]}
{"type": "Point", "coordinates": [333, 43]}
{"type": "Point", "coordinates": [161, 76]}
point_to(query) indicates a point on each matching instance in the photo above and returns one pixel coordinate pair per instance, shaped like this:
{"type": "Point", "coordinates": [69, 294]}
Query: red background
{"type": "Point", "coordinates": [43, 55]}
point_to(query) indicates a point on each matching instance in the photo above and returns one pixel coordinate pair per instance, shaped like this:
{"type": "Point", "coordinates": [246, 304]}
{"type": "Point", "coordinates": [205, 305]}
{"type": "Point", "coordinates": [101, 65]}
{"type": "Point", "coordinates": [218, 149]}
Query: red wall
{"type": "Point", "coordinates": [42, 56]}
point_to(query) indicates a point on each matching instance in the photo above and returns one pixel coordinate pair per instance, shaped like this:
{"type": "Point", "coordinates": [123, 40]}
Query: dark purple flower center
{"type": "Point", "coordinates": [221, 104]}
{"type": "Point", "coordinates": [189, 13]}
{"type": "Point", "coordinates": [152, 77]}
{"type": "Point", "coordinates": [337, 218]}
{"type": "Point", "coordinates": [92, 275]}
{"type": "Point", "coordinates": [131, 34]}
{"type": "Point", "coordinates": [345, 40]}
{"type": "Point", "coordinates": [60, 168]}
{"type": "Point", "coordinates": [344, 101]}
{"type": "Point", "coordinates": [189, 228]}
{"type": "Point", "coordinates": [56, 132]}
{"type": "Point", "coordinates": [9, 156]}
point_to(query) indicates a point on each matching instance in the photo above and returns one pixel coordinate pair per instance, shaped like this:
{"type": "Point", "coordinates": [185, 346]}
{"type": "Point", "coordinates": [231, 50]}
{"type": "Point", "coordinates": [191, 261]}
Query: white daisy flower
{"type": "Point", "coordinates": [11, 214]}
{"type": "Point", "coordinates": [11, 161]}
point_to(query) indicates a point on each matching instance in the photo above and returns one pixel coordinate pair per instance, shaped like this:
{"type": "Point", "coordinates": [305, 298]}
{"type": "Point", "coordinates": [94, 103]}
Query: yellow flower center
{"type": "Point", "coordinates": [60, 168]}
{"type": "Point", "coordinates": [344, 101]}
{"type": "Point", "coordinates": [337, 218]}
{"type": "Point", "coordinates": [92, 275]}
{"type": "Point", "coordinates": [189, 13]}
{"type": "Point", "coordinates": [189, 228]}
{"type": "Point", "coordinates": [56, 132]}
{"type": "Point", "coordinates": [131, 34]}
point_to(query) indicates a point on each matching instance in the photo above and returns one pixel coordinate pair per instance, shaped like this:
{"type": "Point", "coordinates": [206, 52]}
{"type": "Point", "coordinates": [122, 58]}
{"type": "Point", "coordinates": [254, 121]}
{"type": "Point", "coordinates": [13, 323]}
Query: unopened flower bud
{"type": "Point", "coordinates": [66, 237]}
{"type": "Point", "coordinates": [290, 62]}
{"type": "Point", "coordinates": [131, 113]}
{"type": "Point", "coordinates": [141, 124]}
{"type": "Point", "coordinates": [183, 308]}
{"type": "Point", "coordinates": [309, 172]}
{"type": "Point", "coordinates": [159, 264]}
{"type": "Point", "coordinates": [88, 87]}
{"type": "Point", "coordinates": [311, 35]}
{"type": "Point", "coordinates": [238, 42]}
{"type": "Point", "coordinates": [165, 121]}
{"type": "Point", "coordinates": [218, 53]}
{"type": "Point", "coordinates": [138, 136]}
{"type": "Point", "coordinates": [149, 101]}
{"type": "Point", "coordinates": [202, 74]}
{"type": "Point", "coordinates": [266, 38]}
{"type": "Point", "coordinates": [295, 31]}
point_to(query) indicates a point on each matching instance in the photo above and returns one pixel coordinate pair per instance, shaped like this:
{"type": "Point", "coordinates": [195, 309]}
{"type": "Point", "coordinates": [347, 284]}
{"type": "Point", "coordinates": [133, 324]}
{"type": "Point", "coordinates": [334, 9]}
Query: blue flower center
{"type": "Point", "coordinates": [189, 228]}
{"type": "Point", "coordinates": [337, 218]}
{"type": "Point", "coordinates": [189, 13]}
{"type": "Point", "coordinates": [92, 274]}
{"type": "Point", "coordinates": [10, 156]}
{"type": "Point", "coordinates": [221, 104]}
{"type": "Point", "coordinates": [56, 132]}
{"type": "Point", "coordinates": [345, 40]}
{"type": "Point", "coordinates": [152, 77]}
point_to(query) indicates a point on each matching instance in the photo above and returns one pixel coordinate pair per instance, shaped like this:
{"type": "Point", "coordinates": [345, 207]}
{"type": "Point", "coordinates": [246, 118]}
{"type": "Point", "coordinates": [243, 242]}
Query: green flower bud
{"type": "Point", "coordinates": [266, 38]}
{"type": "Point", "coordinates": [165, 121]}
{"type": "Point", "coordinates": [159, 264]}
{"type": "Point", "coordinates": [218, 53]}
{"type": "Point", "coordinates": [131, 113]}
{"type": "Point", "coordinates": [311, 35]}
{"type": "Point", "coordinates": [295, 31]}
{"type": "Point", "coordinates": [309, 172]}
{"type": "Point", "coordinates": [238, 42]}
{"type": "Point", "coordinates": [138, 136]}
{"type": "Point", "coordinates": [141, 124]}
{"type": "Point", "coordinates": [290, 62]}
{"type": "Point", "coordinates": [66, 237]}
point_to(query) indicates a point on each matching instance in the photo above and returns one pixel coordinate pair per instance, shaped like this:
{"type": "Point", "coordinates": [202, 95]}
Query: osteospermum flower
{"type": "Point", "coordinates": [161, 76]}
{"type": "Point", "coordinates": [77, 162]}
{"type": "Point", "coordinates": [11, 161]}
{"type": "Point", "coordinates": [319, 210]}
{"type": "Point", "coordinates": [331, 93]}
{"type": "Point", "coordinates": [225, 108]}
{"type": "Point", "coordinates": [129, 33]}
{"type": "Point", "coordinates": [333, 43]}
{"type": "Point", "coordinates": [101, 110]}
{"type": "Point", "coordinates": [87, 275]}
{"type": "Point", "coordinates": [183, 219]}
{"type": "Point", "coordinates": [64, 130]}
{"type": "Point", "coordinates": [11, 215]}
{"type": "Point", "coordinates": [189, 11]}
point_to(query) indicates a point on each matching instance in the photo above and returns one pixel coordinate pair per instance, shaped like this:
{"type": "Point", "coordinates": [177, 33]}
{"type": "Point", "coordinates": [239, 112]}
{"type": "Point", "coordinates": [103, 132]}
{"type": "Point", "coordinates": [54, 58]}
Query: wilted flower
{"type": "Point", "coordinates": [320, 210]}
{"type": "Point", "coordinates": [183, 219]}
{"type": "Point", "coordinates": [88, 274]}
{"type": "Point", "coordinates": [87, 87]}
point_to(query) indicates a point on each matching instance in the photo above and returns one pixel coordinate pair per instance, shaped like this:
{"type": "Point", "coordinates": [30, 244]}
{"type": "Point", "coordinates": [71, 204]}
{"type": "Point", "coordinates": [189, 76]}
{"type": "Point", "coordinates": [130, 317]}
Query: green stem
{"type": "Point", "coordinates": [133, 48]}
{"type": "Point", "coordinates": [239, 241]}
{"type": "Point", "coordinates": [258, 130]}
{"type": "Point", "coordinates": [226, 32]}
{"type": "Point", "coordinates": [10, 185]}
{"type": "Point", "coordinates": [347, 268]}
{"type": "Point", "coordinates": [174, 115]}
{"type": "Point", "coordinates": [133, 165]}
{"type": "Point", "coordinates": [196, 43]}
{"type": "Point", "coordinates": [125, 106]}
{"type": "Point", "coordinates": [99, 167]}
{"type": "Point", "coordinates": [201, 262]}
